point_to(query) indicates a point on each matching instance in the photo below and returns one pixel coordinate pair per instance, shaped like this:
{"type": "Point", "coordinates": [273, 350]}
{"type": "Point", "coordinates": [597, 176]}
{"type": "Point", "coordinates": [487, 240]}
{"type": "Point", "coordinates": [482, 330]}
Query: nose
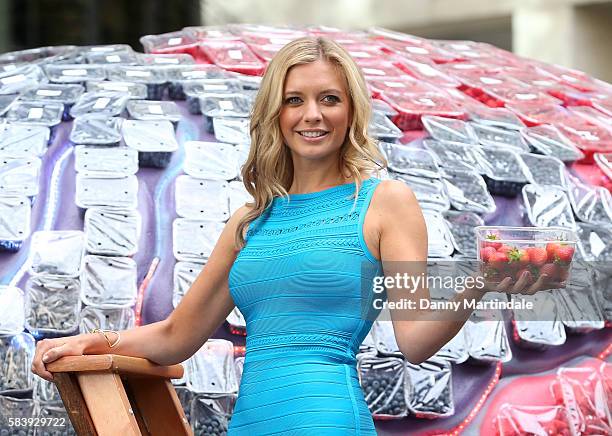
{"type": "Point", "coordinates": [312, 112]}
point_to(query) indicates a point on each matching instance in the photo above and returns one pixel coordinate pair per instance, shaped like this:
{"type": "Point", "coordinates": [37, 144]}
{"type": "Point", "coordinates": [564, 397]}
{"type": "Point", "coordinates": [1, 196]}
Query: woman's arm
{"type": "Point", "coordinates": [419, 333]}
{"type": "Point", "coordinates": [402, 234]}
{"type": "Point", "coordinates": [203, 308]}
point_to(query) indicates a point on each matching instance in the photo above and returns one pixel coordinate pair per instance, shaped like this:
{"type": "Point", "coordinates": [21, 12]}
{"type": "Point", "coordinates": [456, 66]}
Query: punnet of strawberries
{"type": "Point", "coordinates": [503, 258]}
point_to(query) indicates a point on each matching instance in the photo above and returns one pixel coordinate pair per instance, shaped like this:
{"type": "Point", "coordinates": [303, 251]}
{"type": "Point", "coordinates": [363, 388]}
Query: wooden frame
{"type": "Point", "coordinates": [110, 394]}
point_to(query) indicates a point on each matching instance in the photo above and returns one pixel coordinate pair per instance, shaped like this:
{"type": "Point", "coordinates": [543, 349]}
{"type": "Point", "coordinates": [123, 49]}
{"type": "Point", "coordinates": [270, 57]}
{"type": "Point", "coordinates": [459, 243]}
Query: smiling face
{"type": "Point", "coordinates": [316, 110]}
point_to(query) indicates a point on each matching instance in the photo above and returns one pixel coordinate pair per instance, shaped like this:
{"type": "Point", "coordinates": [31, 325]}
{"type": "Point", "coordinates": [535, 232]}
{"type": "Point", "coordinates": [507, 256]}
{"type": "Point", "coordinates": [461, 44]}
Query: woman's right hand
{"type": "Point", "coordinates": [49, 350]}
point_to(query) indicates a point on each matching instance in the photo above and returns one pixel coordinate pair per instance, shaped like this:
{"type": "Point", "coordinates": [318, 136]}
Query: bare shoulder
{"type": "Point", "coordinates": [393, 197]}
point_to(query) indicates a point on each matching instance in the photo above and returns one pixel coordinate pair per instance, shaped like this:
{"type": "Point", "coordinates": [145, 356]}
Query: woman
{"type": "Point", "coordinates": [299, 261]}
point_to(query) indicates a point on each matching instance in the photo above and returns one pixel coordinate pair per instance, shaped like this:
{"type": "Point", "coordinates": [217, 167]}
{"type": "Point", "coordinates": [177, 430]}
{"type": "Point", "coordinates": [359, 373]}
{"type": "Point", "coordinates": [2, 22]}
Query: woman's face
{"type": "Point", "coordinates": [315, 114]}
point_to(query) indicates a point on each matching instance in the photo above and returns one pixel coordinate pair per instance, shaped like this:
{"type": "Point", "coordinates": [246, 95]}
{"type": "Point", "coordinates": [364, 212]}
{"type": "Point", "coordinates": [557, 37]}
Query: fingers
{"type": "Point", "coordinates": [38, 366]}
{"type": "Point", "coordinates": [521, 283]}
{"type": "Point", "coordinates": [504, 285]}
{"type": "Point", "coordinates": [54, 353]}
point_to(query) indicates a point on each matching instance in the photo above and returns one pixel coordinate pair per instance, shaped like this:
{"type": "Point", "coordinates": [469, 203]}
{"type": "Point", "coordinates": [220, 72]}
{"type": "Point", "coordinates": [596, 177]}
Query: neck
{"type": "Point", "coordinates": [312, 176]}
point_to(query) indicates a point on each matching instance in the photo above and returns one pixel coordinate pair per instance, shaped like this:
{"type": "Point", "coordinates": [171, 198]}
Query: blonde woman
{"type": "Point", "coordinates": [300, 260]}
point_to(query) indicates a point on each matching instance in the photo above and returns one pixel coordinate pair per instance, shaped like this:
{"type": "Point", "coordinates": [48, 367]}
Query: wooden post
{"type": "Point", "coordinates": [109, 395]}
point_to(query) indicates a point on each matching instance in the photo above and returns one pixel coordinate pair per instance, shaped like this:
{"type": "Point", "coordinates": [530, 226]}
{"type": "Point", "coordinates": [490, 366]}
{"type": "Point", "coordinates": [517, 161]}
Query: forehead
{"type": "Point", "coordinates": [317, 75]}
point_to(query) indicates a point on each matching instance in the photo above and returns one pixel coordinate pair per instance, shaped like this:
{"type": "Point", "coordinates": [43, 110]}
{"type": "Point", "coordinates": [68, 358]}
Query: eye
{"type": "Point", "coordinates": [293, 100]}
{"type": "Point", "coordinates": [331, 99]}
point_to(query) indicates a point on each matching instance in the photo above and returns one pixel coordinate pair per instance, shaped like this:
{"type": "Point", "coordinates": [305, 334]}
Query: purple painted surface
{"type": "Point", "coordinates": [469, 381]}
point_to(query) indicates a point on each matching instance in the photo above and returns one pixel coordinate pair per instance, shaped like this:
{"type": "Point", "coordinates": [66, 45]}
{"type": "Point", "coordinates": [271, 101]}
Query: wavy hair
{"type": "Point", "coordinates": [268, 171]}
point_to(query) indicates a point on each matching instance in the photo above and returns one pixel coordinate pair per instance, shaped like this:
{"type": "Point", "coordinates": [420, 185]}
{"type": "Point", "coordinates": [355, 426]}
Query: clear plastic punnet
{"type": "Point", "coordinates": [96, 129]}
{"type": "Point", "coordinates": [57, 253]}
{"type": "Point", "coordinates": [153, 110]}
{"type": "Point", "coordinates": [16, 377]}
{"type": "Point", "coordinates": [16, 215]}
{"type": "Point", "coordinates": [52, 305]}
{"type": "Point", "coordinates": [21, 79]}
{"type": "Point", "coordinates": [510, 251]}
{"type": "Point", "coordinates": [48, 114]}
{"type": "Point", "coordinates": [430, 193]}
{"type": "Point", "coordinates": [19, 176]}
{"type": "Point", "coordinates": [111, 161]}
{"type": "Point", "coordinates": [383, 381]}
{"type": "Point", "coordinates": [106, 191]}
{"type": "Point", "coordinates": [194, 240]}
{"type": "Point", "coordinates": [449, 129]}
{"type": "Point", "coordinates": [109, 282]}
{"type": "Point", "coordinates": [202, 199]}
{"type": "Point", "coordinates": [429, 389]}
{"type": "Point", "coordinates": [211, 369]}
{"type": "Point", "coordinates": [23, 140]}
{"type": "Point", "coordinates": [591, 204]}
{"type": "Point", "coordinates": [505, 171]}
{"type": "Point", "coordinates": [112, 232]}
{"type": "Point", "coordinates": [548, 206]}
{"type": "Point", "coordinates": [6, 101]}
{"type": "Point", "coordinates": [455, 155]}
{"type": "Point", "coordinates": [109, 104]}
{"type": "Point", "coordinates": [210, 160]}
{"type": "Point", "coordinates": [468, 191]}
{"type": "Point", "coordinates": [185, 273]}
{"type": "Point", "coordinates": [66, 94]}
{"type": "Point", "coordinates": [546, 170]}
{"type": "Point", "coordinates": [113, 58]}
{"type": "Point", "coordinates": [382, 128]}
{"type": "Point", "coordinates": [413, 161]}
{"type": "Point", "coordinates": [131, 89]}
{"type": "Point", "coordinates": [74, 73]}
{"type": "Point", "coordinates": [153, 77]}
{"type": "Point", "coordinates": [604, 162]}
{"type": "Point", "coordinates": [232, 130]}
{"type": "Point", "coordinates": [549, 141]}
{"type": "Point", "coordinates": [489, 135]}
{"type": "Point", "coordinates": [12, 311]}
{"type": "Point", "coordinates": [514, 420]}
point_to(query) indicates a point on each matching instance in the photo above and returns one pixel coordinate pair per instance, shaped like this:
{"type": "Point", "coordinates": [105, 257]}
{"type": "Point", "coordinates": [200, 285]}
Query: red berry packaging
{"type": "Point", "coordinates": [513, 420]}
{"type": "Point", "coordinates": [397, 84]}
{"type": "Point", "coordinates": [233, 56]}
{"type": "Point", "coordinates": [380, 70]}
{"type": "Point", "coordinates": [591, 115]}
{"type": "Point", "coordinates": [427, 72]}
{"type": "Point", "coordinates": [429, 389]}
{"type": "Point", "coordinates": [589, 138]}
{"type": "Point", "coordinates": [535, 114]}
{"type": "Point", "coordinates": [172, 42]}
{"type": "Point", "coordinates": [506, 251]}
{"type": "Point", "coordinates": [582, 392]}
{"type": "Point", "coordinates": [383, 381]}
{"type": "Point", "coordinates": [604, 162]}
{"type": "Point", "coordinates": [413, 105]}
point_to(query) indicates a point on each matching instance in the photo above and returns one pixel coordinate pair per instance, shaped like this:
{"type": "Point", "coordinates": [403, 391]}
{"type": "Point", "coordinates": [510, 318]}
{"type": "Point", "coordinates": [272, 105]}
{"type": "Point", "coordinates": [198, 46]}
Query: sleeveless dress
{"type": "Point", "coordinates": [303, 282]}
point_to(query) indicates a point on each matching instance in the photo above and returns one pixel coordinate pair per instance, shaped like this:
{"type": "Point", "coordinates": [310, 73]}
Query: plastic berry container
{"type": "Point", "coordinates": [510, 251]}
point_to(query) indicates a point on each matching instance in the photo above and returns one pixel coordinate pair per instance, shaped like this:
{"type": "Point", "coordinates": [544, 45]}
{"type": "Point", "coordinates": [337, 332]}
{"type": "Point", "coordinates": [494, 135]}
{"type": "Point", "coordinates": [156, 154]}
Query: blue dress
{"type": "Point", "coordinates": [303, 282]}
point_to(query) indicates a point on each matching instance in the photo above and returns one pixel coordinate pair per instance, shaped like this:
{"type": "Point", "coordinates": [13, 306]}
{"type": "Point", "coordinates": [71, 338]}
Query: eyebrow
{"type": "Point", "coordinates": [325, 91]}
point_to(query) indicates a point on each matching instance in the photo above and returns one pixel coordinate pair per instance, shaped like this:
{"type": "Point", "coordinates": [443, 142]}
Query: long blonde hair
{"type": "Point", "coordinates": [268, 171]}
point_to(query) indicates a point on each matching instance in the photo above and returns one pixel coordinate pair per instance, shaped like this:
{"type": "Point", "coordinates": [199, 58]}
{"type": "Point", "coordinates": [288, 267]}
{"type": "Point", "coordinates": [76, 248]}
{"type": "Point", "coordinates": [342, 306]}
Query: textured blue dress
{"type": "Point", "coordinates": [303, 282]}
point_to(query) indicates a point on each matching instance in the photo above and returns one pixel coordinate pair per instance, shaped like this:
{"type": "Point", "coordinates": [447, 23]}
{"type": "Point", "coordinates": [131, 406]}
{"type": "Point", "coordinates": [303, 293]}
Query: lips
{"type": "Point", "coordinates": [312, 133]}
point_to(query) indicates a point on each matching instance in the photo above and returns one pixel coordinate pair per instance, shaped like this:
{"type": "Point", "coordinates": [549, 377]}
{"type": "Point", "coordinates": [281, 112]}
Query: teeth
{"type": "Point", "coordinates": [312, 134]}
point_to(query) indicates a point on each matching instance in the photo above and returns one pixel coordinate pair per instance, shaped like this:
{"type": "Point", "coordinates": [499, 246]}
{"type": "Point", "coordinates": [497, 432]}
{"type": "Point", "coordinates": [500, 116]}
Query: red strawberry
{"type": "Point", "coordinates": [486, 253]}
{"type": "Point", "coordinates": [537, 256]}
{"type": "Point", "coordinates": [551, 270]}
{"type": "Point", "coordinates": [520, 273]}
{"type": "Point", "coordinates": [564, 254]}
{"type": "Point", "coordinates": [504, 249]}
{"type": "Point", "coordinates": [499, 260]}
{"type": "Point", "coordinates": [551, 250]}
{"type": "Point", "coordinates": [519, 257]}
{"type": "Point", "coordinates": [490, 241]}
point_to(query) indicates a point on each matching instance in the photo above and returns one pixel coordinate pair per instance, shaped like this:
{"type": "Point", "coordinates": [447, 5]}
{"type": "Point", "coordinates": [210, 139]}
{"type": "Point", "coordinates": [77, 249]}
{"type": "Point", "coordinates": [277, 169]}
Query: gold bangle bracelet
{"type": "Point", "coordinates": [103, 333]}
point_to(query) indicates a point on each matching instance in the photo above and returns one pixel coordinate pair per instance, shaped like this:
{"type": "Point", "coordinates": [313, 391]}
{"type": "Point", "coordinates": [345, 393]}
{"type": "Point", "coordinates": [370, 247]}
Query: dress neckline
{"type": "Point", "coordinates": [337, 188]}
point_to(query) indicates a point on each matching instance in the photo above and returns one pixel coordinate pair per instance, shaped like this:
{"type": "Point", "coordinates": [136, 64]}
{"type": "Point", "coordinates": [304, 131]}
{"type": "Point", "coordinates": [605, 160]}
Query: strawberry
{"type": "Point", "coordinates": [504, 249]}
{"type": "Point", "coordinates": [551, 270]}
{"type": "Point", "coordinates": [490, 241]}
{"type": "Point", "coordinates": [519, 256]}
{"type": "Point", "coordinates": [499, 260]}
{"type": "Point", "coordinates": [486, 253]}
{"type": "Point", "coordinates": [537, 256]}
{"type": "Point", "coordinates": [564, 254]}
{"type": "Point", "coordinates": [551, 250]}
